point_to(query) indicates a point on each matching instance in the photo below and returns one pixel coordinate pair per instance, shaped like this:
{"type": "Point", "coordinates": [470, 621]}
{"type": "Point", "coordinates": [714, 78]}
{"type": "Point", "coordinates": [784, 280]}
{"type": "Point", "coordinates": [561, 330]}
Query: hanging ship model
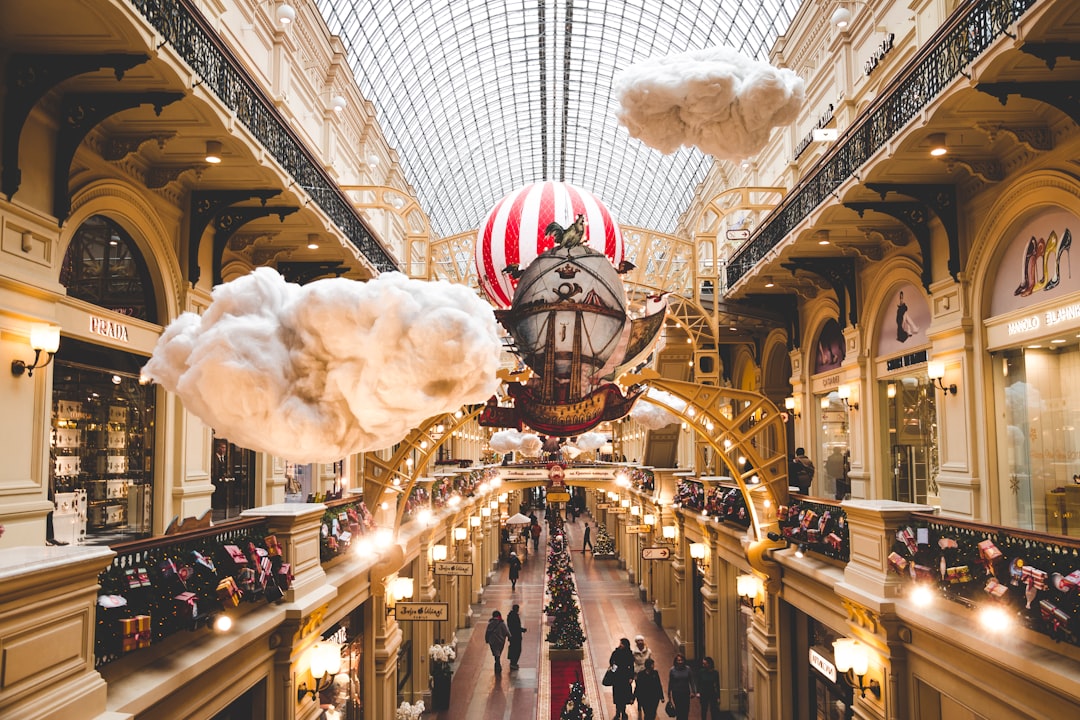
{"type": "Point", "coordinates": [568, 311]}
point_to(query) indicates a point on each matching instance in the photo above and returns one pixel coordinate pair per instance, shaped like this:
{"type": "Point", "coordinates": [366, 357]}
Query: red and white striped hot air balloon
{"type": "Point", "coordinates": [513, 234]}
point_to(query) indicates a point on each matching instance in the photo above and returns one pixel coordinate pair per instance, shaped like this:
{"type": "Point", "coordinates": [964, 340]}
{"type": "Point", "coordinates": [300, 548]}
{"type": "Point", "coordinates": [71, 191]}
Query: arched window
{"type": "Point", "coordinates": [104, 267]}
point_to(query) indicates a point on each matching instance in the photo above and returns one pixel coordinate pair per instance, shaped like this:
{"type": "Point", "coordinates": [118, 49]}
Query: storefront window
{"type": "Point", "coordinates": [102, 442]}
{"type": "Point", "coordinates": [103, 266]}
{"type": "Point", "coordinates": [833, 457]}
{"type": "Point", "coordinates": [1038, 391]}
{"type": "Point", "coordinates": [232, 470]}
{"type": "Point", "coordinates": [911, 427]}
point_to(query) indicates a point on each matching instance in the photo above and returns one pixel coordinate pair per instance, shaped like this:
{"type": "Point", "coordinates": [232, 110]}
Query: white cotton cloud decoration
{"type": "Point", "coordinates": [505, 441]}
{"type": "Point", "coordinates": [716, 99]}
{"type": "Point", "coordinates": [654, 417]}
{"type": "Point", "coordinates": [591, 441]}
{"type": "Point", "coordinates": [316, 372]}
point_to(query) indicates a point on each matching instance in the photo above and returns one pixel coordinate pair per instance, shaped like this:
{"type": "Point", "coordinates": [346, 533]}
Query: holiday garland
{"type": "Point", "coordinates": [820, 528]}
{"type": "Point", "coordinates": [1037, 582]}
{"type": "Point", "coordinates": [341, 526]}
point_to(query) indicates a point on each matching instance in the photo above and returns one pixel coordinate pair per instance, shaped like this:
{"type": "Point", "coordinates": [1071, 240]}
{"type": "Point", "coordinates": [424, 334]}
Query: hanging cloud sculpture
{"type": "Point", "coordinates": [652, 416]}
{"type": "Point", "coordinates": [316, 372]}
{"type": "Point", "coordinates": [504, 441]}
{"type": "Point", "coordinates": [716, 99]}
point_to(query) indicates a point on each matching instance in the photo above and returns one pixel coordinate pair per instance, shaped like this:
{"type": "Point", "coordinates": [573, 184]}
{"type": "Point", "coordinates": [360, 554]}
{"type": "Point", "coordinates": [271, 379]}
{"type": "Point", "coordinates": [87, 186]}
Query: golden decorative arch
{"type": "Point", "coordinates": [737, 423]}
{"type": "Point", "coordinates": [416, 253]}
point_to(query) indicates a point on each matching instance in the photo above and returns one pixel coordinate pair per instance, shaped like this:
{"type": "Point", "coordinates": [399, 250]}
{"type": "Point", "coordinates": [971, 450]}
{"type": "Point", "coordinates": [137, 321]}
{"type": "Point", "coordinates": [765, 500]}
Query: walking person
{"type": "Point", "coordinates": [588, 542]}
{"type": "Point", "coordinates": [648, 690]}
{"type": "Point", "coordinates": [621, 663]}
{"type": "Point", "coordinates": [641, 654]}
{"type": "Point", "coordinates": [681, 687]}
{"type": "Point", "coordinates": [495, 636]}
{"type": "Point", "coordinates": [513, 624]}
{"type": "Point", "coordinates": [708, 688]}
{"type": "Point", "coordinates": [515, 570]}
{"type": "Point", "coordinates": [801, 471]}
{"type": "Point", "coordinates": [534, 530]}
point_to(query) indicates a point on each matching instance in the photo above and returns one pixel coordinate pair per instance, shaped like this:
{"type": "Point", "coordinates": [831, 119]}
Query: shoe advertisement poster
{"type": "Point", "coordinates": [1036, 266]}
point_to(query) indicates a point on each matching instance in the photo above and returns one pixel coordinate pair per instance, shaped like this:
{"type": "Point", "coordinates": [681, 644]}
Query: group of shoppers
{"type": "Point", "coordinates": [633, 675]}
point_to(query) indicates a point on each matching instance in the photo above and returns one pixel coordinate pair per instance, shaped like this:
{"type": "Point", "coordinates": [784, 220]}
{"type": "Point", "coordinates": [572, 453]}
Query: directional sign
{"type": "Point", "coordinates": [737, 234]}
{"type": "Point", "coordinates": [422, 611]}
{"type": "Point", "coordinates": [446, 567]}
{"type": "Point", "coordinates": [603, 506]}
{"type": "Point", "coordinates": [638, 528]}
{"type": "Point", "coordinates": [617, 510]}
{"type": "Point", "coordinates": [655, 553]}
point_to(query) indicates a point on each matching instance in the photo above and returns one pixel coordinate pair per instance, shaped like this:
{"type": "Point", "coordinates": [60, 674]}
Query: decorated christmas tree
{"type": "Point", "coordinates": [603, 544]}
{"type": "Point", "coordinates": [566, 632]}
{"type": "Point", "coordinates": [576, 707]}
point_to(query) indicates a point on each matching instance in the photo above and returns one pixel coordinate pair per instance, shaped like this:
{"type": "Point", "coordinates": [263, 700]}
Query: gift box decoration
{"type": "Point", "coordinates": [1034, 577]}
{"type": "Point", "coordinates": [782, 513]}
{"type": "Point", "coordinates": [908, 538]}
{"type": "Point", "coordinates": [202, 561]}
{"type": "Point", "coordinates": [284, 576]}
{"type": "Point", "coordinates": [988, 551]}
{"type": "Point", "coordinates": [807, 517]}
{"type": "Point", "coordinates": [824, 521]}
{"type": "Point", "coordinates": [187, 606]}
{"type": "Point", "coordinates": [1071, 581]}
{"type": "Point", "coordinates": [921, 572]}
{"type": "Point", "coordinates": [834, 541]}
{"type": "Point", "coordinates": [947, 543]}
{"type": "Point", "coordinates": [995, 589]}
{"type": "Point", "coordinates": [265, 570]}
{"type": "Point", "coordinates": [1054, 615]}
{"type": "Point", "coordinates": [897, 562]}
{"type": "Point", "coordinates": [135, 632]}
{"type": "Point", "coordinates": [137, 578]}
{"type": "Point", "coordinates": [344, 538]}
{"type": "Point", "coordinates": [228, 592]}
{"type": "Point", "coordinates": [236, 555]}
{"type": "Point", "coordinates": [273, 547]}
{"type": "Point", "coordinates": [958, 574]}
{"type": "Point", "coordinates": [247, 579]}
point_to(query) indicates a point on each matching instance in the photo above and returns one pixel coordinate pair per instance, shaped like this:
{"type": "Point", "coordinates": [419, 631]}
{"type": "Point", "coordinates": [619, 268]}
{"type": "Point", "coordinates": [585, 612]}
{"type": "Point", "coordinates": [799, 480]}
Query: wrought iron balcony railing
{"type": "Point", "coordinates": [186, 31]}
{"type": "Point", "coordinates": [970, 32]}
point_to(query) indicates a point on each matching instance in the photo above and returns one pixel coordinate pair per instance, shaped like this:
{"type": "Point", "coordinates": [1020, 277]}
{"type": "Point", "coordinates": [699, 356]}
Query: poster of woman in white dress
{"type": "Point", "coordinates": [904, 321]}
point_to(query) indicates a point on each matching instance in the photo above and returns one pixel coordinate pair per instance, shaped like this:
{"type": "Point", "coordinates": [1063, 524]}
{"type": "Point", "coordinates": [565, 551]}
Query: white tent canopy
{"type": "Point", "coordinates": [518, 519]}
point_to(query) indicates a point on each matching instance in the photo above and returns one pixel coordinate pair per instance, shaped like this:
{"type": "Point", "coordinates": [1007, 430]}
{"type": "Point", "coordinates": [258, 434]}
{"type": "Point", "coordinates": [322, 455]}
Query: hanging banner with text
{"type": "Point", "coordinates": [638, 528]}
{"type": "Point", "coordinates": [423, 612]}
{"type": "Point", "coordinates": [446, 567]}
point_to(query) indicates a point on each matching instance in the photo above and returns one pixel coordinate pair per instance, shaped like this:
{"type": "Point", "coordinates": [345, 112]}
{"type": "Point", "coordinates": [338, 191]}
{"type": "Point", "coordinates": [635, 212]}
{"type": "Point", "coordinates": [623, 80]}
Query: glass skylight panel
{"type": "Point", "coordinates": [458, 88]}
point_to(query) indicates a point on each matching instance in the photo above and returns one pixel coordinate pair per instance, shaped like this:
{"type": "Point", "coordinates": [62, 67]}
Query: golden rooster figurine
{"type": "Point", "coordinates": [567, 237]}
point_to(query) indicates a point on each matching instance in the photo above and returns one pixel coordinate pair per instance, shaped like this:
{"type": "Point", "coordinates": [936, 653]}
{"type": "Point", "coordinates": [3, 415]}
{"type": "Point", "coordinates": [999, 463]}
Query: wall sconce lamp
{"type": "Point", "coordinates": [402, 588]}
{"type": "Point", "coordinates": [461, 533]}
{"type": "Point", "coordinates": [668, 532]}
{"type": "Point", "coordinates": [438, 552]}
{"type": "Point", "coordinates": [853, 660]}
{"type": "Point", "coordinates": [789, 405]}
{"type": "Point", "coordinates": [841, 17]}
{"type": "Point", "coordinates": [338, 103]}
{"type": "Point", "coordinates": [324, 659]}
{"type": "Point", "coordinates": [649, 519]}
{"type": "Point", "coordinates": [935, 371]}
{"type": "Point", "coordinates": [844, 391]}
{"type": "Point", "coordinates": [635, 510]}
{"type": "Point", "coordinates": [485, 512]}
{"type": "Point", "coordinates": [44, 338]}
{"type": "Point", "coordinates": [937, 144]}
{"type": "Point", "coordinates": [697, 551]}
{"type": "Point", "coordinates": [213, 152]}
{"type": "Point", "coordinates": [285, 13]}
{"type": "Point", "coordinates": [474, 521]}
{"type": "Point", "coordinates": [750, 588]}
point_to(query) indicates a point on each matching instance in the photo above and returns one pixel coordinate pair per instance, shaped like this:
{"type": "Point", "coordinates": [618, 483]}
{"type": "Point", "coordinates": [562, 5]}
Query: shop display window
{"type": "Point", "coordinates": [832, 462]}
{"type": "Point", "coordinates": [911, 438]}
{"type": "Point", "coordinates": [103, 266]}
{"type": "Point", "coordinates": [1037, 396]}
{"type": "Point", "coordinates": [102, 442]}
{"type": "Point", "coordinates": [232, 470]}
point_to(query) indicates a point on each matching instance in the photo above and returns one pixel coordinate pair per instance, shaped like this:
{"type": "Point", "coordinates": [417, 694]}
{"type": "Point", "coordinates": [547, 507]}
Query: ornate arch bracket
{"type": "Point", "coordinates": [81, 113]}
{"type": "Point", "coordinates": [230, 220]}
{"type": "Point", "coordinates": [302, 273]}
{"type": "Point", "coordinates": [29, 78]}
{"type": "Point", "coordinates": [840, 274]}
{"type": "Point", "coordinates": [205, 206]}
{"type": "Point", "coordinates": [941, 199]}
{"type": "Point", "coordinates": [785, 307]}
{"type": "Point", "coordinates": [1049, 52]}
{"type": "Point", "coordinates": [1062, 95]}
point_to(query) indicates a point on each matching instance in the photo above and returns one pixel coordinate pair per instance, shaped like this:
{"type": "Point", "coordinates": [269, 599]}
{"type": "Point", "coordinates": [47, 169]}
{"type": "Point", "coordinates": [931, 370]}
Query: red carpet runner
{"type": "Point", "coordinates": [563, 672]}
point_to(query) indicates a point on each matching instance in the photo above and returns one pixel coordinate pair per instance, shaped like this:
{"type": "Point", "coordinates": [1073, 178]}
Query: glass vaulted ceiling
{"type": "Point", "coordinates": [480, 97]}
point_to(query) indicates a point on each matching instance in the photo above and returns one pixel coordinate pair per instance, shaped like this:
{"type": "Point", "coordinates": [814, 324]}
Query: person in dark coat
{"type": "Point", "coordinates": [622, 691]}
{"type": "Point", "coordinates": [681, 687]}
{"type": "Point", "coordinates": [513, 624]}
{"type": "Point", "coordinates": [588, 539]}
{"type": "Point", "coordinates": [495, 636]}
{"type": "Point", "coordinates": [648, 690]}
{"type": "Point", "coordinates": [515, 570]}
{"type": "Point", "coordinates": [708, 687]}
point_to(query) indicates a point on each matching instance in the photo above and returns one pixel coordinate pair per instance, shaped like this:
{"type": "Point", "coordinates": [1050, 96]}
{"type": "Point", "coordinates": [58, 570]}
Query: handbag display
{"type": "Point", "coordinates": [670, 708]}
